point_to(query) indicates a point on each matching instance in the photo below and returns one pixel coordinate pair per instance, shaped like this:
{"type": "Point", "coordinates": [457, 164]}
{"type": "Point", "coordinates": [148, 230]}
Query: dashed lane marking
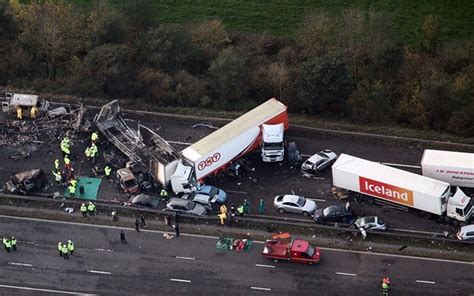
{"type": "Point", "coordinates": [180, 280]}
{"type": "Point", "coordinates": [216, 237]}
{"type": "Point", "coordinates": [260, 288]}
{"type": "Point", "coordinates": [104, 250]}
{"type": "Point", "coordinates": [99, 272]}
{"type": "Point", "coordinates": [46, 290]}
{"type": "Point", "coordinates": [185, 258]}
{"type": "Point", "coordinates": [317, 199]}
{"type": "Point", "coordinates": [20, 264]}
{"type": "Point", "coordinates": [237, 192]}
{"type": "Point", "coordinates": [263, 265]}
{"type": "Point", "coordinates": [345, 273]}
{"type": "Point", "coordinates": [425, 282]}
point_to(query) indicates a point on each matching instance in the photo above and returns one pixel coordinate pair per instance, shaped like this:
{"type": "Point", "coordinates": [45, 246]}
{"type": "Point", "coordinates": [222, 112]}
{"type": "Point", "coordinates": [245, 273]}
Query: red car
{"type": "Point", "coordinates": [290, 249]}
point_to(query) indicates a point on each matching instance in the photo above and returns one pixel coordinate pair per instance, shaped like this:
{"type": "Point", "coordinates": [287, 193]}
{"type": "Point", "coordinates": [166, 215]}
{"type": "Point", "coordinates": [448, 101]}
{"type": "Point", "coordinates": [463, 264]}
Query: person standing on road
{"type": "Point", "coordinates": [13, 243]}
{"type": "Point", "coordinates": [60, 248]}
{"type": "Point", "coordinates": [57, 177]}
{"type": "Point", "coordinates": [84, 210]}
{"type": "Point", "coordinates": [137, 224]}
{"type": "Point", "coordinates": [176, 229]}
{"type": "Point", "coordinates": [164, 194]}
{"type": "Point", "coordinates": [241, 210]}
{"type": "Point", "coordinates": [91, 208]}
{"type": "Point", "coordinates": [261, 207]}
{"type": "Point", "coordinates": [122, 237]}
{"type": "Point", "coordinates": [94, 137]}
{"type": "Point", "coordinates": [65, 251]}
{"type": "Point", "coordinates": [72, 190]}
{"type": "Point", "coordinates": [246, 206]}
{"type": "Point", "coordinates": [70, 247]}
{"type": "Point", "coordinates": [107, 171]}
{"type": "Point", "coordinates": [56, 164]}
{"type": "Point", "coordinates": [177, 218]}
{"type": "Point", "coordinates": [142, 221]}
{"type": "Point", "coordinates": [7, 244]}
{"type": "Point", "coordinates": [223, 209]}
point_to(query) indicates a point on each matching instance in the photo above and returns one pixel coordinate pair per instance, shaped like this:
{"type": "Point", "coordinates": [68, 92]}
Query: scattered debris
{"type": "Point", "coordinates": [205, 124]}
{"type": "Point", "coordinates": [25, 182]}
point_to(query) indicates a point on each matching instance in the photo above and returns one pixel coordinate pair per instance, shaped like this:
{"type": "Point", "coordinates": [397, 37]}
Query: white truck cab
{"type": "Point", "coordinates": [460, 207]}
{"type": "Point", "coordinates": [183, 179]}
{"type": "Point", "coordinates": [272, 147]}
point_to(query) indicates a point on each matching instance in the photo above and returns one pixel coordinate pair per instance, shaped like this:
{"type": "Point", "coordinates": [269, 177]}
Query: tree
{"type": "Point", "coordinates": [279, 77]}
{"type": "Point", "coordinates": [107, 66]}
{"type": "Point", "coordinates": [325, 85]}
{"type": "Point", "coordinates": [108, 26]}
{"type": "Point", "coordinates": [314, 35]}
{"type": "Point", "coordinates": [430, 34]}
{"type": "Point", "coordinates": [49, 31]}
{"type": "Point", "coordinates": [370, 102]}
{"type": "Point", "coordinates": [157, 87]}
{"type": "Point", "coordinates": [211, 37]}
{"type": "Point", "coordinates": [191, 90]}
{"type": "Point", "coordinates": [229, 75]}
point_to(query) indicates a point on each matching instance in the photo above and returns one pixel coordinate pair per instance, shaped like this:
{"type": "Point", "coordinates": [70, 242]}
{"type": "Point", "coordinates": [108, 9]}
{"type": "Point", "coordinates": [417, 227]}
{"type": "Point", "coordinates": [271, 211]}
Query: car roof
{"type": "Point", "coordinates": [201, 197]}
{"type": "Point", "coordinates": [291, 198]}
{"type": "Point", "coordinates": [178, 201]}
{"type": "Point", "coordinates": [467, 228]}
{"type": "Point", "coordinates": [299, 245]}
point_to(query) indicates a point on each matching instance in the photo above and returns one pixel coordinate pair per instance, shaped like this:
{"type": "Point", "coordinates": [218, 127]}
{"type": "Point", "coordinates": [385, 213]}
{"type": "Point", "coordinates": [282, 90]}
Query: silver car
{"type": "Point", "coordinates": [370, 223]}
{"type": "Point", "coordinates": [185, 206]}
{"type": "Point", "coordinates": [294, 204]}
{"type": "Point", "coordinates": [317, 163]}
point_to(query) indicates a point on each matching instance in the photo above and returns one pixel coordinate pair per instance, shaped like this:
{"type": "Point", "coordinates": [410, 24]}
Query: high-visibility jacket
{"type": "Point", "coordinates": [73, 182]}
{"type": "Point", "coordinates": [72, 189]}
{"type": "Point", "coordinates": [70, 246]}
{"type": "Point", "coordinates": [57, 176]}
{"type": "Point", "coordinates": [107, 171]}
{"type": "Point", "coordinates": [163, 193]}
{"type": "Point", "coordinates": [223, 209]}
{"type": "Point", "coordinates": [91, 207]}
{"type": "Point", "coordinates": [385, 286]}
{"type": "Point", "coordinates": [64, 249]}
{"type": "Point", "coordinates": [13, 242]}
{"type": "Point", "coordinates": [19, 113]}
{"type": "Point", "coordinates": [67, 160]}
{"type": "Point", "coordinates": [94, 137]}
{"type": "Point", "coordinates": [60, 246]}
{"type": "Point", "coordinates": [240, 209]}
{"type": "Point", "coordinates": [83, 208]}
{"type": "Point", "coordinates": [94, 149]}
{"type": "Point", "coordinates": [7, 243]}
{"type": "Point", "coordinates": [88, 152]}
{"type": "Point", "coordinates": [33, 112]}
{"type": "Point", "coordinates": [56, 164]}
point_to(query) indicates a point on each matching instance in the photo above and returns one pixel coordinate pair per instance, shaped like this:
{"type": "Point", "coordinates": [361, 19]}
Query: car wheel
{"type": "Point", "coordinates": [306, 214]}
{"type": "Point", "coordinates": [275, 260]}
{"type": "Point", "coordinates": [281, 210]}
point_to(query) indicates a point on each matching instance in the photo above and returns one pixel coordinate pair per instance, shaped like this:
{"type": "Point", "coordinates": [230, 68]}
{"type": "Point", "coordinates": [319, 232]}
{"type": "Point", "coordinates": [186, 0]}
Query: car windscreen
{"type": "Point", "coordinates": [214, 192]}
{"type": "Point", "coordinates": [301, 201]}
{"type": "Point", "coordinates": [273, 146]}
{"type": "Point", "coordinates": [190, 205]}
{"type": "Point", "coordinates": [327, 211]}
{"type": "Point", "coordinates": [310, 251]}
{"type": "Point", "coordinates": [130, 183]}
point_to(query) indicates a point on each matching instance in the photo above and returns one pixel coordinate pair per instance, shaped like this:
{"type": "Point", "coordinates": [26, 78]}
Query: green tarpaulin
{"type": "Point", "coordinates": [90, 185]}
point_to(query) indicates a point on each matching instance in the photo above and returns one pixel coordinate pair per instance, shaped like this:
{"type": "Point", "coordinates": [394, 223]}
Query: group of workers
{"type": "Point", "coordinates": [90, 208]}
{"type": "Point", "coordinates": [33, 112]}
{"type": "Point", "coordinates": [9, 243]}
{"type": "Point", "coordinates": [92, 151]}
{"type": "Point", "coordinates": [241, 210]}
{"type": "Point", "coordinates": [66, 249]}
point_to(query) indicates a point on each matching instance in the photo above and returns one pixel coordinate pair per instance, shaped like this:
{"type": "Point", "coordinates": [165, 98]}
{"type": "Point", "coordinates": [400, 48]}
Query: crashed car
{"type": "Point", "coordinates": [27, 181]}
{"type": "Point", "coordinates": [370, 223]}
{"type": "Point", "coordinates": [317, 163]}
{"type": "Point", "coordinates": [294, 156]}
{"type": "Point", "coordinates": [127, 181]}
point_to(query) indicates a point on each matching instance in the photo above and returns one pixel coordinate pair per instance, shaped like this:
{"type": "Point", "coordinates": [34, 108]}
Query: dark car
{"type": "Point", "coordinates": [293, 154]}
{"type": "Point", "coordinates": [146, 201]}
{"type": "Point", "coordinates": [334, 213]}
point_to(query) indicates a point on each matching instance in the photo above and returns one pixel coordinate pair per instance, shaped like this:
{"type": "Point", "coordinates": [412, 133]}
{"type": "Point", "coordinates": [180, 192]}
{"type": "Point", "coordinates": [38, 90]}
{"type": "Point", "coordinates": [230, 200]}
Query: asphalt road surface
{"type": "Point", "coordinates": [152, 265]}
{"type": "Point", "coordinates": [272, 178]}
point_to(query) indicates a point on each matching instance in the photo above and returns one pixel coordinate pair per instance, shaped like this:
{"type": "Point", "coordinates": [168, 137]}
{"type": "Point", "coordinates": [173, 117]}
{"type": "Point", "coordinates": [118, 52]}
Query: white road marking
{"type": "Point", "coordinates": [180, 280]}
{"type": "Point", "coordinates": [46, 290]}
{"type": "Point", "coordinates": [402, 165]}
{"type": "Point", "coordinates": [345, 273]}
{"type": "Point", "coordinates": [20, 264]}
{"type": "Point", "coordinates": [263, 265]}
{"type": "Point", "coordinates": [98, 271]}
{"type": "Point", "coordinates": [185, 258]}
{"type": "Point", "coordinates": [317, 199]}
{"type": "Point", "coordinates": [238, 192]}
{"type": "Point", "coordinates": [216, 237]}
{"type": "Point", "coordinates": [425, 282]}
{"type": "Point", "coordinates": [260, 288]}
{"type": "Point", "coordinates": [106, 250]}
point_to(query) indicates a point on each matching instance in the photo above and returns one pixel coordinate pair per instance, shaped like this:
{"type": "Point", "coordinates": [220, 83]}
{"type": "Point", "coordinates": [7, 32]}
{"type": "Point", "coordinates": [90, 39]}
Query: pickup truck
{"type": "Point", "coordinates": [290, 249]}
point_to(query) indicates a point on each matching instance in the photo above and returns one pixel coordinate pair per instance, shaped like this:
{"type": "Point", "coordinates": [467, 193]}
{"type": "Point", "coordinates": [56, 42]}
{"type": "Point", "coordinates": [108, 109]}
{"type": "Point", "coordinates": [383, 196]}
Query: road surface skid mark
{"type": "Point", "coordinates": [180, 280]}
{"type": "Point", "coordinates": [260, 288]}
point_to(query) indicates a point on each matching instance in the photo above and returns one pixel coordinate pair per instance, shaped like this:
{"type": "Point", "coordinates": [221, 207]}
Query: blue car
{"type": "Point", "coordinates": [209, 196]}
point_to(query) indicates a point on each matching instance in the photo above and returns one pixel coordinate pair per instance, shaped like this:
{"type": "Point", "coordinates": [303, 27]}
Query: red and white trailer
{"type": "Point", "coordinates": [239, 137]}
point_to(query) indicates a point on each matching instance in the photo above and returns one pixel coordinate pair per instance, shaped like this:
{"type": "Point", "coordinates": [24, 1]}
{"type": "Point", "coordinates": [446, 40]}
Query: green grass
{"type": "Point", "coordinates": [282, 17]}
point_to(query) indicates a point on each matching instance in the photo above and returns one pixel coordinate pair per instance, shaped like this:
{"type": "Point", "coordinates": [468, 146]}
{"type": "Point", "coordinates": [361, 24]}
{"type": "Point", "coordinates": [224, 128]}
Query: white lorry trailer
{"type": "Point", "coordinates": [401, 187]}
{"type": "Point", "coordinates": [456, 168]}
{"type": "Point", "coordinates": [214, 152]}
{"type": "Point", "coordinates": [273, 147]}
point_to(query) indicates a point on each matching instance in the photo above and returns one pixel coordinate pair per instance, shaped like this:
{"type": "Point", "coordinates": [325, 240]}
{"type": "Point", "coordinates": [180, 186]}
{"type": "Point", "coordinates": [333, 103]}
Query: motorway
{"type": "Point", "coordinates": [273, 178]}
{"type": "Point", "coordinates": [152, 265]}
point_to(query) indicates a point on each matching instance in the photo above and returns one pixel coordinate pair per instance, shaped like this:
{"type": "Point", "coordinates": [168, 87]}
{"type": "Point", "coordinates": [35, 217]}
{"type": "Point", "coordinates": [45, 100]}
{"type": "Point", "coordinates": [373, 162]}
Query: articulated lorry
{"type": "Point", "coordinates": [456, 168]}
{"type": "Point", "coordinates": [402, 188]}
{"type": "Point", "coordinates": [214, 152]}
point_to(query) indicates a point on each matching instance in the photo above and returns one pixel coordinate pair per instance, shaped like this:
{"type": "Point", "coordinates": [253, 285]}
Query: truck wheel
{"type": "Point", "coordinates": [281, 211]}
{"type": "Point", "coordinates": [275, 260]}
{"type": "Point", "coordinates": [306, 214]}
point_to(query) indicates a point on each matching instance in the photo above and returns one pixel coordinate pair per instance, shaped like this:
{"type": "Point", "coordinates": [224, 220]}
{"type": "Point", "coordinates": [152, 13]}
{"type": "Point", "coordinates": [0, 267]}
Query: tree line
{"type": "Point", "coordinates": [346, 66]}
